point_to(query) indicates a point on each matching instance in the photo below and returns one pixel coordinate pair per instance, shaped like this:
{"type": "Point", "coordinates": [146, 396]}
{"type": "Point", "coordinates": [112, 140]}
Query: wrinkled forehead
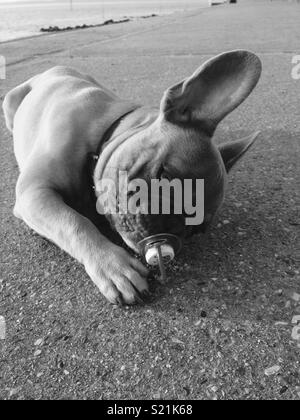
{"type": "Point", "coordinates": [193, 155]}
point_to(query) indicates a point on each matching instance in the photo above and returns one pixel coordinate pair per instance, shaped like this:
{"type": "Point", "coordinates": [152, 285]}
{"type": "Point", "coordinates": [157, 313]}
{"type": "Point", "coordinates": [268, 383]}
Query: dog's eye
{"type": "Point", "coordinates": [166, 175]}
{"type": "Point", "coordinates": [160, 173]}
{"type": "Point", "coordinates": [163, 174]}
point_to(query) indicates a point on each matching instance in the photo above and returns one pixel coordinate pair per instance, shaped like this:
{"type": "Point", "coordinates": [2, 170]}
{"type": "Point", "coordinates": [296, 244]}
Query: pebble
{"type": "Point", "coordinates": [39, 342]}
{"type": "Point", "coordinates": [157, 373]}
{"type": "Point", "coordinates": [37, 353]}
{"type": "Point", "coordinates": [296, 319]}
{"type": "Point", "coordinates": [2, 328]}
{"type": "Point", "coordinates": [227, 325]}
{"type": "Point", "coordinates": [272, 370]}
{"type": "Point", "coordinates": [226, 222]}
{"type": "Point", "coordinates": [296, 333]}
{"type": "Point", "coordinates": [177, 341]}
{"type": "Point", "coordinates": [283, 390]}
{"type": "Point", "coordinates": [13, 392]}
{"type": "Point", "coordinates": [296, 297]}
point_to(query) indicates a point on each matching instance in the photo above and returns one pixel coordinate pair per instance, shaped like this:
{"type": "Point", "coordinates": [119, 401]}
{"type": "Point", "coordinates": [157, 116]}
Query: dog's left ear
{"type": "Point", "coordinates": [232, 152]}
{"type": "Point", "coordinates": [213, 91]}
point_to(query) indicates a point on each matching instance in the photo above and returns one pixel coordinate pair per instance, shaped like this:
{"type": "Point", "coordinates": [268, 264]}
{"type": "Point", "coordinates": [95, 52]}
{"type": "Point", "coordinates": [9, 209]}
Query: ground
{"type": "Point", "coordinates": [223, 327]}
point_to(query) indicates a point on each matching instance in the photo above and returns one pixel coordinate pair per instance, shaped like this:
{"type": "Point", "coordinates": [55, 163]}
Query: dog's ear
{"type": "Point", "coordinates": [232, 152]}
{"type": "Point", "coordinates": [213, 91]}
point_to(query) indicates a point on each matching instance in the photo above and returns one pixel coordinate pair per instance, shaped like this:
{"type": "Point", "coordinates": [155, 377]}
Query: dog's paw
{"type": "Point", "coordinates": [121, 278]}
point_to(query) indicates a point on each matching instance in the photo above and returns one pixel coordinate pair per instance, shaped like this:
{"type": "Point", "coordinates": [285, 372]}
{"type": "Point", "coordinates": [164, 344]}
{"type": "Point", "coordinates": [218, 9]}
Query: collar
{"type": "Point", "coordinates": [108, 135]}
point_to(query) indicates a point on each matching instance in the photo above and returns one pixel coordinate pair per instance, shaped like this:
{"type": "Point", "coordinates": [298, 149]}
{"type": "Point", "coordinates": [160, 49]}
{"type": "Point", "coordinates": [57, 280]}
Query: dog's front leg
{"type": "Point", "coordinates": [119, 277]}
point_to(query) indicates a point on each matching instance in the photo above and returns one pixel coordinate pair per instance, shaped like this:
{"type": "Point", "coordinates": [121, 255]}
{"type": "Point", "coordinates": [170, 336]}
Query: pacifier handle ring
{"type": "Point", "coordinates": [162, 238]}
{"type": "Point", "coordinates": [156, 246]}
{"type": "Point", "coordinates": [162, 268]}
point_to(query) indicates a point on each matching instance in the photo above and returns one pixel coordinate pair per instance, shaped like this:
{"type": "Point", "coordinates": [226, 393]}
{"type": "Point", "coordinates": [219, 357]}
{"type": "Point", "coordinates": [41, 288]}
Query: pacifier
{"type": "Point", "coordinates": [159, 250]}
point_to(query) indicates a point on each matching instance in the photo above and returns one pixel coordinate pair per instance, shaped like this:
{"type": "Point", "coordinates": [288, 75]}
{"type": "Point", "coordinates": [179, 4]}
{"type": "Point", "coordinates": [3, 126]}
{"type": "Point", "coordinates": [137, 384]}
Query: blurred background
{"type": "Point", "coordinates": [22, 18]}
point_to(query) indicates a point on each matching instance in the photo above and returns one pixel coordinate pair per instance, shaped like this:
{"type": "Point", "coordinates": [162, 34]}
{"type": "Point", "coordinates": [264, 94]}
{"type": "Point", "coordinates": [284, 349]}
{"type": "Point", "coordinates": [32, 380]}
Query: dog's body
{"type": "Point", "coordinates": [61, 117]}
{"type": "Point", "coordinates": [53, 141]}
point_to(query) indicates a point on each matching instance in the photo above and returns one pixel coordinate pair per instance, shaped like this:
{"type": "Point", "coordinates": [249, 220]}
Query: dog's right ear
{"type": "Point", "coordinates": [232, 152]}
{"type": "Point", "coordinates": [213, 91]}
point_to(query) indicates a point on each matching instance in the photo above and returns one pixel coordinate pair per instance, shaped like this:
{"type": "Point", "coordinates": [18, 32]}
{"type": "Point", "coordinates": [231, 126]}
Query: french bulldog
{"type": "Point", "coordinates": [70, 132]}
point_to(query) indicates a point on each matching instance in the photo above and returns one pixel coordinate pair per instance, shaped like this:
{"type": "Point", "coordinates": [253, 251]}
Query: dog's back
{"type": "Point", "coordinates": [16, 96]}
{"type": "Point", "coordinates": [13, 100]}
{"type": "Point", "coordinates": [68, 99]}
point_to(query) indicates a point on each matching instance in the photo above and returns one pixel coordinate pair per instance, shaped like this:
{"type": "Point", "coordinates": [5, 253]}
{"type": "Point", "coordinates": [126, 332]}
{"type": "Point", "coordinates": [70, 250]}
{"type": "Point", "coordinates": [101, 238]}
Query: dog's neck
{"type": "Point", "coordinates": [137, 118]}
{"type": "Point", "coordinates": [109, 134]}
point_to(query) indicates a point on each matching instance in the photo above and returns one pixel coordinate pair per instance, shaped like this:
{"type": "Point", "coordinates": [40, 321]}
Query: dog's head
{"type": "Point", "coordinates": [177, 145]}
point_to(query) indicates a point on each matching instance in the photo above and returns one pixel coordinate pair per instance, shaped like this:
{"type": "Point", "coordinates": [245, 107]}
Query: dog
{"type": "Point", "coordinates": [70, 132]}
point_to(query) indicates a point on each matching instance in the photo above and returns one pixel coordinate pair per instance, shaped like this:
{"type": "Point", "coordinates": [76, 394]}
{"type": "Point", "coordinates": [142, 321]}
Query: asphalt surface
{"type": "Point", "coordinates": [223, 328]}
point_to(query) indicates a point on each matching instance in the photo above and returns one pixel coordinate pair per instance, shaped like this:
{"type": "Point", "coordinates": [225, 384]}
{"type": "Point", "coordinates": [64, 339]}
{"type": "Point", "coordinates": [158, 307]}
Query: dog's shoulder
{"type": "Point", "coordinates": [63, 118]}
{"type": "Point", "coordinates": [64, 71]}
{"type": "Point", "coordinates": [71, 76]}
